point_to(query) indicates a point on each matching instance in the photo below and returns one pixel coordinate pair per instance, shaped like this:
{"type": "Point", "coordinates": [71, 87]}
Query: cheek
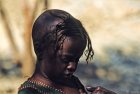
{"type": "Point", "coordinates": [59, 66]}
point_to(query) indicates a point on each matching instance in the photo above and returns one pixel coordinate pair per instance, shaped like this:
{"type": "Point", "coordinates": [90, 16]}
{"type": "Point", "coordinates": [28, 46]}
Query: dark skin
{"type": "Point", "coordinates": [99, 90]}
{"type": "Point", "coordinates": [58, 71]}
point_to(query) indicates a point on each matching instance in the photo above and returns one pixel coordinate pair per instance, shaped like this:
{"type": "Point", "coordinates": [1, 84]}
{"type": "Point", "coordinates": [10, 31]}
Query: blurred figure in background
{"type": "Point", "coordinates": [59, 41]}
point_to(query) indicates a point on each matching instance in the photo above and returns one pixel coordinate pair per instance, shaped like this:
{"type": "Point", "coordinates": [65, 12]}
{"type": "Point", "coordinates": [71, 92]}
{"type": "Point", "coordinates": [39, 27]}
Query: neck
{"type": "Point", "coordinates": [39, 74]}
{"type": "Point", "coordinates": [41, 77]}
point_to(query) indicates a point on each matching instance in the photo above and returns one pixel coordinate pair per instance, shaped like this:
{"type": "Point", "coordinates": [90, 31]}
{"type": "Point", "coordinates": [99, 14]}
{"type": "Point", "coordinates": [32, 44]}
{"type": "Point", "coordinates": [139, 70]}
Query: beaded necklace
{"type": "Point", "coordinates": [40, 87]}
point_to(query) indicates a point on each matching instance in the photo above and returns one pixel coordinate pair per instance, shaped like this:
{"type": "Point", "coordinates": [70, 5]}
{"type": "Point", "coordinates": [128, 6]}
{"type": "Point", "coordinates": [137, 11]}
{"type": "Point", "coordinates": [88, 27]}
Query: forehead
{"type": "Point", "coordinates": [73, 45]}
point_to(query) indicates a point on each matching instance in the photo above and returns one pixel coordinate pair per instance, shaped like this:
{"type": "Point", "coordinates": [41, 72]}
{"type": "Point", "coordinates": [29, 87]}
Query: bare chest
{"type": "Point", "coordinates": [68, 90]}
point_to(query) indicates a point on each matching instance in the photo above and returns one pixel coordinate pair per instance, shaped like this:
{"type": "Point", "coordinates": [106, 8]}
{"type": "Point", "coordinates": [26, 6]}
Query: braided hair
{"type": "Point", "coordinates": [52, 27]}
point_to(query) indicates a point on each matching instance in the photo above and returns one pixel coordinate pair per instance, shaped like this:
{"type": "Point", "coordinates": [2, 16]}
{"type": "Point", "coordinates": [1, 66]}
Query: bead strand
{"type": "Point", "coordinates": [44, 85]}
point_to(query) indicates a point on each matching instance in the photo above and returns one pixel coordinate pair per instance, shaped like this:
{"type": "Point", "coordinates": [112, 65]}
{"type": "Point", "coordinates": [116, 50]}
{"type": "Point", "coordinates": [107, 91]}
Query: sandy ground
{"type": "Point", "coordinates": [9, 85]}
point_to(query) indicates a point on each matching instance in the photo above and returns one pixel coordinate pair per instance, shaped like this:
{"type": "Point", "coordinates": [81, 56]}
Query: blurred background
{"type": "Point", "coordinates": [114, 28]}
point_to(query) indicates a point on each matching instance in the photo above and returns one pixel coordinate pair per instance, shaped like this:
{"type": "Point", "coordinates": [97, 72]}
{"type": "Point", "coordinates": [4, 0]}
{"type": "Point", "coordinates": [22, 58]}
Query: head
{"type": "Point", "coordinates": [59, 41]}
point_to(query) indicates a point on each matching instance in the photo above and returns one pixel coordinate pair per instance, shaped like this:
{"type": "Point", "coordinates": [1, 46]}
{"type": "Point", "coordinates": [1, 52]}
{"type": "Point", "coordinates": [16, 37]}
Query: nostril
{"type": "Point", "coordinates": [71, 70]}
{"type": "Point", "coordinates": [71, 67]}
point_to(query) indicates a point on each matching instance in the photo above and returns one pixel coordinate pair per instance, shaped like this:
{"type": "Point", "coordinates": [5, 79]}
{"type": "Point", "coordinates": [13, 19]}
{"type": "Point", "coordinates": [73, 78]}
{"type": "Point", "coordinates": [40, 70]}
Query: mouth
{"type": "Point", "coordinates": [68, 75]}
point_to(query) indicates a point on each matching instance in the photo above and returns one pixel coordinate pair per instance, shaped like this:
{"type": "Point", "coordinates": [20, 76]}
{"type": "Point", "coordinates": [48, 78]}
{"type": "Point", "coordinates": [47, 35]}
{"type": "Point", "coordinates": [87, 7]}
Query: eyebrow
{"type": "Point", "coordinates": [70, 56]}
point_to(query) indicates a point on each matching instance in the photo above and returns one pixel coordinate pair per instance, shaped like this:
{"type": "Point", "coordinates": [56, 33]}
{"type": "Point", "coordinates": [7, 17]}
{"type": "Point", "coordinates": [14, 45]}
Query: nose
{"type": "Point", "coordinates": [72, 67]}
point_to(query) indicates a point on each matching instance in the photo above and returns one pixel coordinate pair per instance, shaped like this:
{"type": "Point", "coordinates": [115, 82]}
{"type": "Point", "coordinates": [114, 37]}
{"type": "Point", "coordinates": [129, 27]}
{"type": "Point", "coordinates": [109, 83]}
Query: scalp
{"type": "Point", "coordinates": [53, 26]}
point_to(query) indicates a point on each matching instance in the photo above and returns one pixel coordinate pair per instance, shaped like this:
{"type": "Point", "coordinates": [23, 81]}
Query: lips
{"type": "Point", "coordinates": [68, 75]}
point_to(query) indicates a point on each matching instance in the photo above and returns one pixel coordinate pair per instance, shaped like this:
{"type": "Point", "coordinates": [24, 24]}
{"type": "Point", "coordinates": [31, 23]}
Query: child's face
{"type": "Point", "coordinates": [65, 63]}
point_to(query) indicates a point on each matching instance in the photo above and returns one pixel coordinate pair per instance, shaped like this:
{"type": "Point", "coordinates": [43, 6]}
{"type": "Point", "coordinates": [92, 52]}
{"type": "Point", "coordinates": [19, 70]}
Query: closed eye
{"type": "Point", "coordinates": [65, 60]}
{"type": "Point", "coordinates": [69, 59]}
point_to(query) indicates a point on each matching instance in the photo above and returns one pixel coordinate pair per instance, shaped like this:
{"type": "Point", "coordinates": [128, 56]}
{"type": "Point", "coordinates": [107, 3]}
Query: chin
{"type": "Point", "coordinates": [66, 81]}
{"type": "Point", "coordinates": [67, 77]}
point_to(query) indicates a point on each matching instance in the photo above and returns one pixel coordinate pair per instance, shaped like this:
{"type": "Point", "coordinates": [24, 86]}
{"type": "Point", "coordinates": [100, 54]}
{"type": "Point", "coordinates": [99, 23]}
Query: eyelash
{"type": "Point", "coordinates": [65, 60]}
